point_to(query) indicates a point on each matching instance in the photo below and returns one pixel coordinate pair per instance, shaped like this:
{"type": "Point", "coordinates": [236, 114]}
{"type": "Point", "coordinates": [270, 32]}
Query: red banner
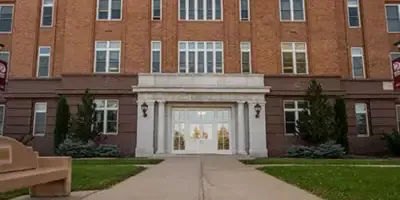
{"type": "Point", "coordinates": [3, 74]}
{"type": "Point", "coordinates": [396, 73]}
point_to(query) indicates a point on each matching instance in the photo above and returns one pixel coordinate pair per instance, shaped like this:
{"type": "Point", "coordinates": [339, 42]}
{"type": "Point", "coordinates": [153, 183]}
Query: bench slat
{"type": "Point", "coordinates": [28, 178]}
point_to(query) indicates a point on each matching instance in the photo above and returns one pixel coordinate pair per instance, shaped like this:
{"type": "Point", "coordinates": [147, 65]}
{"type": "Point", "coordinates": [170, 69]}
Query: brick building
{"type": "Point", "coordinates": [203, 68]}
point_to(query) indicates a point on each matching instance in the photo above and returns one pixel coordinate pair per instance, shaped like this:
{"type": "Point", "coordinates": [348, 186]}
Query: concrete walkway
{"type": "Point", "coordinates": [202, 178]}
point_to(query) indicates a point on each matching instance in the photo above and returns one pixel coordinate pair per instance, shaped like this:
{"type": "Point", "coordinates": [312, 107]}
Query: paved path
{"type": "Point", "coordinates": [202, 178]}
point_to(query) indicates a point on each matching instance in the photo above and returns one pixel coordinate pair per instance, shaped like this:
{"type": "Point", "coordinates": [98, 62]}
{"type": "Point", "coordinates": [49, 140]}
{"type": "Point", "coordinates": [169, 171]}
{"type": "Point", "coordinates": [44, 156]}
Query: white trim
{"type": "Point", "coordinates": [387, 24]}
{"type": "Point", "coordinates": [12, 18]}
{"type": "Point", "coordinates": [362, 58]}
{"type": "Point", "coordinates": [248, 11]}
{"type": "Point", "coordinates": [109, 14]}
{"type": "Point", "coordinates": [241, 56]}
{"type": "Point", "coordinates": [366, 119]}
{"type": "Point", "coordinates": [205, 3]}
{"type": "Point", "coordinates": [152, 56]}
{"type": "Point", "coordinates": [152, 11]}
{"type": "Point", "coordinates": [358, 13]}
{"type": "Point", "coordinates": [38, 61]}
{"type": "Point", "coordinates": [294, 51]}
{"type": "Point", "coordinates": [42, 15]}
{"type": "Point", "coordinates": [107, 49]}
{"type": "Point", "coordinates": [292, 12]}
{"type": "Point", "coordinates": [2, 119]}
{"type": "Point", "coordinates": [105, 113]}
{"type": "Point", "coordinates": [34, 118]}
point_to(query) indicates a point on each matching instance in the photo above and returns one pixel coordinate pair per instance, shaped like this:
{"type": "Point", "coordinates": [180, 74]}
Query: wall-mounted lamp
{"type": "Point", "coordinates": [397, 44]}
{"type": "Point", "coordinates": [1, 47]}
{"type": "Point", "coordinates": [257, 108]}
{"type": "Point", "coordinates": [144, 107]}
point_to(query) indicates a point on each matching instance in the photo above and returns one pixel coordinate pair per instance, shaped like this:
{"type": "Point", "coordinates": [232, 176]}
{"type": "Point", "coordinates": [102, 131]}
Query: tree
{"type": "Point", "coordinates": [84, 125]}
{"type": "Point", "coordinates": [62, 122]}
{"type": "Point", "coordinates": [316, 124]}
{"type": "Point", "coordinates": [341, 123]}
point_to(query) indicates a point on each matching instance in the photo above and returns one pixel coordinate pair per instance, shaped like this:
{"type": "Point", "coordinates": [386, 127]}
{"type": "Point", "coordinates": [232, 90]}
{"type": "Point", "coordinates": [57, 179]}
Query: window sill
{"type": "Point", "coordinates": [38, 135]}
{"type": "Point", "coordinates": [109, 134]}
{"type": "Point", "coordinates": [295, 21]}
{"type": "Point", "coordinates": [108, 20]}
{"type": "Point", "coordinates": [290, 134]}
{"type": "Point", "coordinates": [363, 136]}
{"type": "Point", "coordinates": [5, 32]}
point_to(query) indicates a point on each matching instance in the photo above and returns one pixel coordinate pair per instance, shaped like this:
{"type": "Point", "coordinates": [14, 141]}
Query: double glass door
{"type": "Point", "coordinates": [201, 130]}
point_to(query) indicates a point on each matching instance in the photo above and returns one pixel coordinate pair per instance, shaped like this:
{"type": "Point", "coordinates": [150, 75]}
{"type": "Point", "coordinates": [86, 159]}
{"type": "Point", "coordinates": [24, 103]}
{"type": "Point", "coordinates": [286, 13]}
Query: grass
{"type": "Point", "coordinates": [344, 183]}
{"type": "Point", "coordinates": [265, 161]}
{"type": "Point", "coordinates": [96, 174]}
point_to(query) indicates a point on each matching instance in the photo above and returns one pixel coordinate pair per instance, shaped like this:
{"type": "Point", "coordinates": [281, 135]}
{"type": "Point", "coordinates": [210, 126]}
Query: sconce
{"type": "Point", "coordinates": [144, 107]}
{"type": "Point", "coordinates": [257, 108]}
{"type": "Point", "coordinates": [397, 44]}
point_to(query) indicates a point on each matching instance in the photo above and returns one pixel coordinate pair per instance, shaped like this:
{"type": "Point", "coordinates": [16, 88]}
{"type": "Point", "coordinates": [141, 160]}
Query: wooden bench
{"type": "Point", "coordinates": [21, 167]}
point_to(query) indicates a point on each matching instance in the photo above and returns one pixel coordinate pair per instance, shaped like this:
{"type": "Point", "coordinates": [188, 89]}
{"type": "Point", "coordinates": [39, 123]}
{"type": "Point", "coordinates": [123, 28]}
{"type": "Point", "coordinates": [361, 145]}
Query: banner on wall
{"type": "Point", "coordinates": [3, 74]}
{"type": "Point", "coordinates": [396, 73]}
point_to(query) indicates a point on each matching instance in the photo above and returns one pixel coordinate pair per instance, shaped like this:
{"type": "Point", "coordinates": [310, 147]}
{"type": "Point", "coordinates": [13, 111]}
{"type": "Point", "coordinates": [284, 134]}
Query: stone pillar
{"type": "Point", "coordinates": [257, 131]}
{"type": "Point", "coordinates": [145, 130]}
{"type": "Point", "coordinates": [161, 128]}
{"type": "Point", "coordinates": [241, 129]}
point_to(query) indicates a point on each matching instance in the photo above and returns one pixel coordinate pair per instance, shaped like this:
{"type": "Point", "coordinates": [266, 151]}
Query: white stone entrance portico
{"type": "Point", "coordinates": [201, 113]}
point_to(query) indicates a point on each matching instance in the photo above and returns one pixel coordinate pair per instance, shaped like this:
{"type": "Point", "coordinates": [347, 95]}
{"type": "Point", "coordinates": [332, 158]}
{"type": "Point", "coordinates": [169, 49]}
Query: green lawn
{"type": "Point", "coordinates": [344, 183]}
{"type": "Point", "coordinates": [97, 174]}
{"type": "Point", "coordinates": [262, 161]}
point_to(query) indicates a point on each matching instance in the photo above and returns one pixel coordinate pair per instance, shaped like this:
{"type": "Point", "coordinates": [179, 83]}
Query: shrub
{"type": "Point", "coordinates": [326, 150]}
{"type": "Point", "coordinates": [393, 142]}
{"type": "Point", "coordinates": [79, 149]}
{"type": "Point", "coordinates": [341, 123]}
{"type": "Point", "coordinates": [62, 122]}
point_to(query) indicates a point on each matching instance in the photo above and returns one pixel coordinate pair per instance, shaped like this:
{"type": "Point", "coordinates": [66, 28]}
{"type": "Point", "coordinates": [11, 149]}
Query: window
{"type": "Point", "coordinates": [293, 113]}
{"type": "Point", "coordinates": [354, 13]}
{"type": "Point", "coordinates": [156, 12]}
{"type": "Point", "coordinates": [107, 116]}
{"type": "Point", "coordinates": [43, 66]}
{"type": "Point", "coordinates": [357, 60]}
{"type": "Point", "coordinates": [5, 56]}
{"type": "Point", "coordinates": [245, 51]}
{"type": "Point", "coordinates": [201, 57]}
{"type": "Point", "coordinates": [156, 56]}
{"type": "Point", "coordinates": [292, 10]}
{"type": "Point", "coordinates": [200, 9]}
{"type": "Point", "coordinates": [107, 56]}
{"type": "Point", "coordinates": [362, 125]}
{"type": "Point", "coordinates": [294, 58]}
{"type": "Point", "coordinates": [244, 10]}
{"type": "Point", "coordinates": [47, 13]}
{"type": "Point", "coordinates": [39, 123]}
{"type": "Point", "coordinates": [109, 9]}
{"type": "Point", "coordinates": [6, 18]}
{"type": "Point", "coordinates": [393, 17]}
{"type": "Point", "coordinates": [2, 111]}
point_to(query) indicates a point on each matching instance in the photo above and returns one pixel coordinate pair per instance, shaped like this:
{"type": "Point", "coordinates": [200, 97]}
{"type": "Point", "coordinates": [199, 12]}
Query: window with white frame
{"type": "Point", "coordinates": [43, 63]}
{"type": "Point", "coordinates": [107, 116]}
{"type": "Point", "coordinates": [156, 9]}
{"type": "Point", "coordinates": [245, 10]}
{"type": "Point", "coordinates": [107, 56]}
{"type": "Point", "coordinates": [109, 9]}
{"type": "Point", "coordinates": [245, 55]}
{"type": "Point", "coordinates": [292, 10]}
{"type": "Point", "coordinates": [362, 125]}
{"type": "Point", "coordinates": [200, 9]}
{"type": "Point", "coordinates": [294, 111]}
{"type": "Point", "coordinates": [353, 11]}
{"type": "Point", "coordinates": [156, 56]}
{"type": "Point", "coordinates": [39, 121]}
{"type": "Point", "coordinates": [47, 13]}
{"type": "Point", "coordinates": [357, 59]}
{"type": "Point", "coordinates": [2, 111]}
{"type": "Point", "coordinates": [398, 117]}
{"type": "Point", "coordinates": [294, 58]}
{"type": "Point", "coordinates": [201, 57]}
{"type": "Point", "coordinates": [6, 18]}
{"type": "Point", "coordinates": [393, 17]}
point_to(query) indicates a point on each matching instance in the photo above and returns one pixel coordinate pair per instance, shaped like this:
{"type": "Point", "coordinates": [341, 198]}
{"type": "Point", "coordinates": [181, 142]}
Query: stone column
{"type": "Point", "coordinates": [161, 128]}
{"type": "Point", "coordinates": [145, 130]}
{"type": "Point", "coordinates": [257, 131]}
{"type": "Point", "coordinates": [241, 129]}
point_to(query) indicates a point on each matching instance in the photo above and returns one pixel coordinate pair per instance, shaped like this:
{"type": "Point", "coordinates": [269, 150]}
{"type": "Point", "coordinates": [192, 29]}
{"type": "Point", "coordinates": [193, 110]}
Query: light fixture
{"type": "Point", "coordinates": [397, 44]}
{"type": "Point", "coordinates": [257, 108]}
{"type": "Point", "coordinates": [144, 107]}
{"type": "Point", "coordinates": [1, 47]}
